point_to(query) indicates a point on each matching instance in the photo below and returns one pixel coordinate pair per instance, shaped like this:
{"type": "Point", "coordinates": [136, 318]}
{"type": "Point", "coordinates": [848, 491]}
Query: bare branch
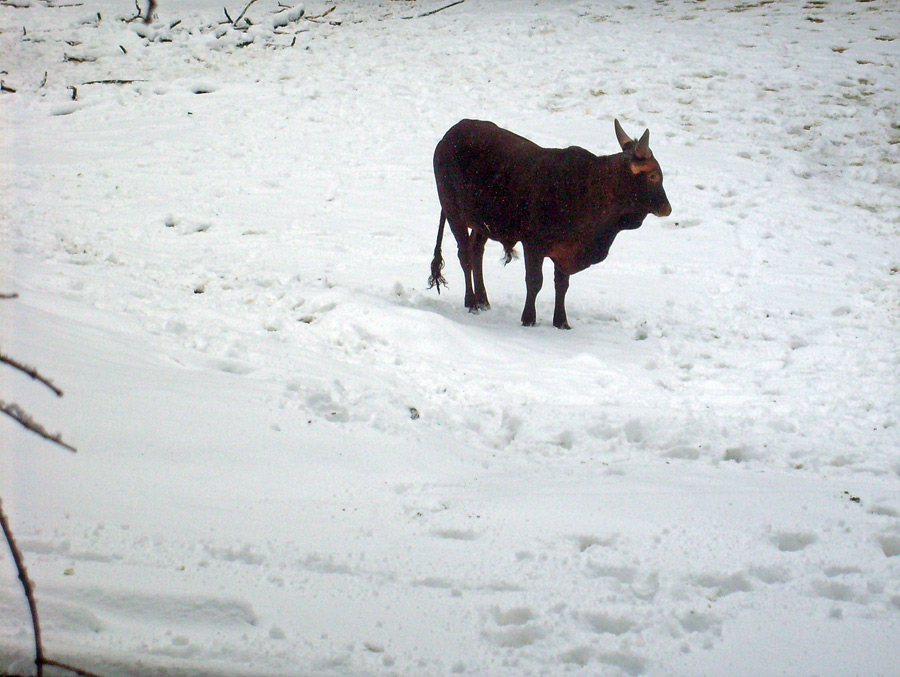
{"type": "Point", "coordinates": [151, 7]}
{"type": "Point", "coordinates": [322, 15]}
{"type": "Point", "coordinates": [20, 416]}
{"type": "Point", "coordinates": [111, 82]}
{"type": "Point", "coordinates": [39, 660]}
{"type": "Point", "coordinates": [70, 668]}
{"type": "Point", "coordinates": [435, 11]}
{"type": "Point", "coordinates": [30, 371]}
{"type": "Point", "coordinates": [29, 591]}
{"type": "Point", "coordinates": [244, 12]}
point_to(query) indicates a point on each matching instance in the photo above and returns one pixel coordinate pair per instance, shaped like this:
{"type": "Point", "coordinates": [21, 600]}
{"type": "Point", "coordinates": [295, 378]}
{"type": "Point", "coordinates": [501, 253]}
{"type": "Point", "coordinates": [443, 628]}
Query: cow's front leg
{"type": "Point", "coordinates": [534, 280]}
{"type": "Point", "coordinates": [561, 283]}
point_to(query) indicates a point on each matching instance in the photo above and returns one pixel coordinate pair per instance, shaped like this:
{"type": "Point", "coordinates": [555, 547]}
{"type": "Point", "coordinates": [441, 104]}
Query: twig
{"type": "Point", "coordinates": [111, 82]}
{"type": "Point", "coordinates": [29, 591]}
{"type": "Point", "coordinates": [16, 413]}
{"type": "Point", "coordinates": [29, 371]}
{"type": "Point", "coordinates": [7, 297]}
{"type": "Point", "coordinates": [70, 668]}
{"type": "Point", "coordinates": [244, 12]}
{"type": "Point", "coordinates": [151, 6]}
{"type": "Point", "coordinates": [4, 88]}
{"type": "Point", "coordinates": [322, 15]}
{"type": "Point", "coordinates": [138, 13]}
{"type": "Point", "coordinates": [435, 11]}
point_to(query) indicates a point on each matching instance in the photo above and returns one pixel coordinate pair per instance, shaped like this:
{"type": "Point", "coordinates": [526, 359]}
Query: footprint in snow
{"type": "Point", "coordinates": [890, 543]}
{"type": "Point", "coordinates": [791, 541]}
{"type": "Point", "coordinates": [456, 534]}
{"type": "Point", "coordinates": [602, 623]}
{"type": "Point", "coordinates": [513, 628]}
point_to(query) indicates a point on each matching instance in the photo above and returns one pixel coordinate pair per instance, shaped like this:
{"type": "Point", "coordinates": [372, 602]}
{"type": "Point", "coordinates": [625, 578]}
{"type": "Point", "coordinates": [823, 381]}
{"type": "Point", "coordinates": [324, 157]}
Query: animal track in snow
{"type": "Point", "coordinates": [455, 534]}
{"type": "Point", "coordinates": [890, 543]}
{"type": "Point", "coordinates": [182, 610]}
{"type": "Point", "coordinates": [602, 623]}
{"type": "Point", "coordinates": [696, 621]}
{"type": "Point", "coordinates": [514, 628]}
{"type": "Point", "coordinates": [722, 585]}
{"type": "Point", "coordinates": [790, 541]}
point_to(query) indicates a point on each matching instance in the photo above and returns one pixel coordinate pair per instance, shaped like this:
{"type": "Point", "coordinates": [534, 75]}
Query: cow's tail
{"type": "Point", "coordinates": [436, 279]}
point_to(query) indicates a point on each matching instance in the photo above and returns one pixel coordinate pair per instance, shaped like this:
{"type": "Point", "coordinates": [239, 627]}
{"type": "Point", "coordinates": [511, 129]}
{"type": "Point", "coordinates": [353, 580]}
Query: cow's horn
{"type": "Point", "coordinates": [642, 149]}
{"type": "Point", "coordinates": [622, 137]}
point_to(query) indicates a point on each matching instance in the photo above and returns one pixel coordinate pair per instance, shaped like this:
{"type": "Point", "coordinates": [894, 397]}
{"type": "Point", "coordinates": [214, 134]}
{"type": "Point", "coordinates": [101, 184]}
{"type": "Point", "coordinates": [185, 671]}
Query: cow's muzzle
{"type": "Point", "coordinates": [664, 210]}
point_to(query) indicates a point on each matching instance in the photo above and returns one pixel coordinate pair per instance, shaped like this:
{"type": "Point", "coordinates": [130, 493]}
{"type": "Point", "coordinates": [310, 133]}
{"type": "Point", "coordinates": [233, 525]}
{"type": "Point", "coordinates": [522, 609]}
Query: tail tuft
{"type": "Point", "coordinates": [436, 279]}
{"type": "Point", "coordinates": [510, 254]}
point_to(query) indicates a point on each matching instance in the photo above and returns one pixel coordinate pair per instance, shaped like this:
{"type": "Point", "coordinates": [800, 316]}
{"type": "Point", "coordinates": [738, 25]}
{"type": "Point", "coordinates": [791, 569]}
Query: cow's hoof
{"type": "Point", "coordinates": [563, 325]}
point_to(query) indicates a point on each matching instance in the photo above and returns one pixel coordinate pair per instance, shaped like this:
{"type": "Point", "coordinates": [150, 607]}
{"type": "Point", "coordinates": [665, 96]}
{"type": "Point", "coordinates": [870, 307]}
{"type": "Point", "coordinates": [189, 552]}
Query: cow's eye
{"type": "Point", "coordinates": [654, 176]}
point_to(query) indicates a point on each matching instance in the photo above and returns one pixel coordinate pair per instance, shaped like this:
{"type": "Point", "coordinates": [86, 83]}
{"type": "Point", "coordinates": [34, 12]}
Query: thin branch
{"type": "Point", "coordinates": [435, 11]}
{"type": "Point", "coordinates": [7, 297]}
{"type": "Point", "coordinates": [30, 371]}
{"type": "Point", "coordinates": [70, 668]}
{"type": "Point", "coordinates": [151, 7]}
{"type": "Point", "coordinates": [20, 416]}
{"type": "Point", "coordinates": [322, 15]}
{"type": "Point", "coordinates": [29, 591]}
{"type": "Point", "coordinates": [111, 82]}
{"type": "Point", "coordinates": [244, 12]}
{"type": "Point", "coordinates": [78, 59]}
{"type": "Point", "coordinates": [39, 660]}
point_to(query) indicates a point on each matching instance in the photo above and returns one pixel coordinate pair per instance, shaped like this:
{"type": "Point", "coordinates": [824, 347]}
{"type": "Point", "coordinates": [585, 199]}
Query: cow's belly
{"type": "Point", "coordinates": [573, 256]}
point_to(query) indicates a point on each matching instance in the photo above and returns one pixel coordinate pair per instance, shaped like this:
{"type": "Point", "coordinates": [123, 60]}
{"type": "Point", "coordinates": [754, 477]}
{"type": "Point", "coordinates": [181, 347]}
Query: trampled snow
{"type": "Point", "coordinates": [294, 459]}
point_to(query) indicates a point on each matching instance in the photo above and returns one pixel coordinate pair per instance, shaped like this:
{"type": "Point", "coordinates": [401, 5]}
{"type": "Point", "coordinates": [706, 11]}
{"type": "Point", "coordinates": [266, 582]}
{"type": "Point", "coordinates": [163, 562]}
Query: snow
{"type": "Point", "coordinates": [294, 459]}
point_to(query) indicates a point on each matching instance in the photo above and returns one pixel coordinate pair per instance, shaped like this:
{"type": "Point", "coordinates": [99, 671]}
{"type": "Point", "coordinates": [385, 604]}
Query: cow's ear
{"type": "Point", "coordinates": [642, 149]}
{"type": "Point", "coordinates": [622, 137]}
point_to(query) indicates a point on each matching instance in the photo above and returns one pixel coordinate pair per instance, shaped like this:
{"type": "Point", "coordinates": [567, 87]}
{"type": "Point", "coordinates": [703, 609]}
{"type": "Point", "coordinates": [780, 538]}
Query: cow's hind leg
{"type": "Point", "coordinates": [466, 258]}
{"type": "Point", "coordinates": [534, 280]}
{"type": "Point", "coordinates": [477, 241]}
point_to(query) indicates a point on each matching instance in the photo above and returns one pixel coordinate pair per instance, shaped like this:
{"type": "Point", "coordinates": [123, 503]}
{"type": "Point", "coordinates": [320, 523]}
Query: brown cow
{"type": "Point", "coordinates": [563, 203]}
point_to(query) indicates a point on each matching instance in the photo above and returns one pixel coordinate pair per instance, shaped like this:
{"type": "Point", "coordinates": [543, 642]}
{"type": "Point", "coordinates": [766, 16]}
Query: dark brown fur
{"type": "Point", "coordinates": [563, 203]}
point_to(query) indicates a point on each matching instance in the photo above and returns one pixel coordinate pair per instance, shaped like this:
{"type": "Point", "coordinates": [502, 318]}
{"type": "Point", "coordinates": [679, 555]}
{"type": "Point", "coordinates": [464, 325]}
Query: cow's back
{"type": "Point", "coordinates": [485, 175]}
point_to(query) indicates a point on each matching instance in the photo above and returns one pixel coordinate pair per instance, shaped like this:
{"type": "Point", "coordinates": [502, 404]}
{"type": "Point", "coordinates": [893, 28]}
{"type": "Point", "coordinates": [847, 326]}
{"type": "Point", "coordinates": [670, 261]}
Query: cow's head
{"type": "Point", "coordinates": [645, 167]}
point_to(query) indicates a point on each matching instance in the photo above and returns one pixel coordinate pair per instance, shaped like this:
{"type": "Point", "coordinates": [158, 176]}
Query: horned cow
{"type": "Point", "coordinates": [565, 204]}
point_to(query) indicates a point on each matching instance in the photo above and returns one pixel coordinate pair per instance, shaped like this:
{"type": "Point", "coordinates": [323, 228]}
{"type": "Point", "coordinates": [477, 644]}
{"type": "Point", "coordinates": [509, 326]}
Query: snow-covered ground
{"type": "Point", "coordinates": [296, 460]}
